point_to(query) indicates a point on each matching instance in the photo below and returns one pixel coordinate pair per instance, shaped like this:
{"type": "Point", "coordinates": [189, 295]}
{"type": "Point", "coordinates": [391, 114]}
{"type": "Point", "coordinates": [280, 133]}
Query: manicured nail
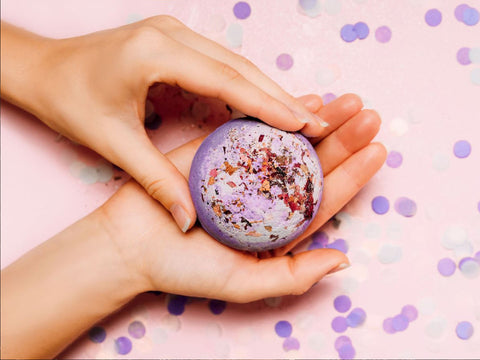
{"type": "Point", "coordinates": [338, 268]}
{"type": "Point", "coordinates": [309, 117]}
{"type": "Point", "coordinates": [181, 217]}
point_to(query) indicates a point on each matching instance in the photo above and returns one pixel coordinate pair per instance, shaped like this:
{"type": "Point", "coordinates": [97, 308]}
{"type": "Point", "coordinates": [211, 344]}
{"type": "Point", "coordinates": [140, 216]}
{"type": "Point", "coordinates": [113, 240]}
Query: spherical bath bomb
{"type": "Point", "coordinates": [255, 187]}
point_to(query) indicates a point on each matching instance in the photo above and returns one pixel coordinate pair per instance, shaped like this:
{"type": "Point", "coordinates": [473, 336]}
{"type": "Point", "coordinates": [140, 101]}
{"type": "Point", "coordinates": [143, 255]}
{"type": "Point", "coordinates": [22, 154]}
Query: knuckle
{"type": "Point", "coordinates": [228, 72]}
{"type": "Point", "coordinates": [154, 187]}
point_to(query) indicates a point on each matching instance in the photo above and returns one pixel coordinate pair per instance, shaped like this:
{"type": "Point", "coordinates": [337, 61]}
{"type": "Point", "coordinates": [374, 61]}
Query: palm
{"type": "Point", "coordinates": [195, 264]}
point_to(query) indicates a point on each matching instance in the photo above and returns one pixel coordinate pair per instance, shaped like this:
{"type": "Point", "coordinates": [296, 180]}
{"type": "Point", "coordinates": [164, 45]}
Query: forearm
{"type": "Point", "coordinates": [58, 290]}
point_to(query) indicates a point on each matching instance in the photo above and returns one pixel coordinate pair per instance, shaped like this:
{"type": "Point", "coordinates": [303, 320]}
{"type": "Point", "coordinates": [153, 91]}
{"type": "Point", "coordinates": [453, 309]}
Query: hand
{"type": "Point", "coordinates": [92, 89]}
{"type": "Point", "coordinates": [197, 265]}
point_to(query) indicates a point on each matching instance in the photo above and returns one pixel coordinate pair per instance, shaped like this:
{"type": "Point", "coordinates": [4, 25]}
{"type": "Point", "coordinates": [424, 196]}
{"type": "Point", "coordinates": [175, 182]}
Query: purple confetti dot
{"type": "Point", "coordinates": [315, 245]}
{"type": "Point", "coordinates": [356, 317]}
{"type": "Point", "coordinates": [339, 324]}
{"type": "Point", "coordinates": [459, 10]}
{"type": "Point", "coordinates": [478, 206]}
{"type": "Point", "coordinates": [123, 345]}
{"type": "Point", "coordinates": [136, 329]}
{"type": "Point", "coordinates": [340, 245]}
{"type": "Point", "coordinates": [342, 341]}
{"type": "Point", "coordinates": [217, 306]}
{"type": "Point", "coordinates": [176, 305]}
{"type": "Point", "coordinates": [446, 267]}
{"type": "Point", "coordinates": [284, 61]}
{"type": "Point", "coordinates": [463, 56]}
{"type": "Point", "coordinates": [394, 159]}
{"type": "Point", "coordinates": [291, 343]}
{"type": "Point", "coordinates": [320, 237]}
{"type": "Point", "coordinates": [433, 17]}
{"type": "Point", "coordinates": [283, 328]}
{"type": "Point", "coordinates": [462, 149]}
{"type": "Point", "coordinates": [383, 34]}
{"type": "Point", "coordinates": [380, 205]}
{"type": "Point", "coordinates": [464, 330]}
{"type": "Point", "coordinates": [410, 312]}
{"type": "Point", "coordinates": [388, 326]}
{"type": "Point", "coordinates": [328, 98]}
{"type": "Point", "coordinates": [470, 16]}
{"type": "Point", "coordinates": [346, 352]}
{"type": "Point", "coordinates": [97, 334]}
{"type": "Point", "coordinates": [477, 254]}
{"type": "Point", "coordinates": [347, 33]}
{"type": "Point", "coordinates": [405, 206]}
{"type": "Point", "coordinates": [400, 322]}
{"type": "Point", "coordinates": [342, 303]}
{"type": "Point", "coordinates": [242, 10]}
{"type": "Point", "coordinates": [361, 29]}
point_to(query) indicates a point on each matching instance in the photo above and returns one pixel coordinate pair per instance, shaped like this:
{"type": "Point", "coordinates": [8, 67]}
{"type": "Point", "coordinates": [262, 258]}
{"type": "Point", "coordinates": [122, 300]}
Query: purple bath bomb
{"type": "Point", "coordinates": [255, 187]}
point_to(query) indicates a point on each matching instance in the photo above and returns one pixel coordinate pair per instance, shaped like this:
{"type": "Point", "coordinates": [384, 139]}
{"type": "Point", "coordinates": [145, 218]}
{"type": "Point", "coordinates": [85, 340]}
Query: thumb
{"type": "Point", "coordinates": [159, 177]}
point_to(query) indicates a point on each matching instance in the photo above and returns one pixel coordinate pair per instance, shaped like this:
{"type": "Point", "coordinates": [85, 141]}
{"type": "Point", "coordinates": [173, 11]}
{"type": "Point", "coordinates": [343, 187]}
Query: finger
{"type": "Point", "coordinates": [350, 137]}
{"type": "Point", "coordinates": [312, 102]}
{"type": "Point", "coordinates": [338, 112]}
{"type": "Point", "coordinates": [341, 185]}
{"type": "Point", "coordinates": [181, 33]}
{"type": "Point", "coordinates": [160, 178]}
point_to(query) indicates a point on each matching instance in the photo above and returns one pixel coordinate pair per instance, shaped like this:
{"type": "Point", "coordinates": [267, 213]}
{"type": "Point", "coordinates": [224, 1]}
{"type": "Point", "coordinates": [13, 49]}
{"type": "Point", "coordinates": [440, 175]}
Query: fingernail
{"type": "Point", "coordinates": [338, 268]}
{"type": "Point", "coordinates": [309, 117]}
{"type": "Point", "coordinates": [181, 217]}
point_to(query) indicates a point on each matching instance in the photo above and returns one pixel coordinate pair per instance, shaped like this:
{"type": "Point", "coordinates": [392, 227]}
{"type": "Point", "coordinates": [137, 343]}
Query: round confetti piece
{"type": "Point", "coordinates": [433, 17]}
{"type": "Point", "coordinates": [405, 206]}
{"type": "Point", "coordinates": [339, 244]}
{"type": "Point", "coordinates": [436, 327]}
{"type": "Point", "coordinates": [217, 306]}
{"type": "Point", "coordinates": [469, 267]}
{"type": "Point", "coordinates": [454, 236]}
{"type": "Point", "coordinates": [342, 341]}
{"type": "Point", "coordinates": [477, 254]}
{"type": "Point", "coordinates": [383, 34]}
{"type": "Point", "coordinates": [320, 237]}
{"type": "Point", "coordinates": [307, 4]}
{"type": "Point", "coordinates": [97, 334]}
{"type": "Point", "coordinates": [464, 330]}
{"type": "Point", "coordinates": [176, 305]}
{"type": "Point", "coordinates": [342, 303]}
{"type": "Point", "coordinates": [410, 312]}
{"type": "Point", "coordinates": [361, 29]}
{"type": "Point", "coordinates": [463, 56]}
{"type": "Point", "coordinates": [328, 98]}
{"type": "Point", "coordinates": [242, 10]}
{"type": "Point", "coordinates": [356, 317]}
{"type": "Point", "coordinates": [475, 76]}
{"type": "Point", "coordinates": [474, 54]}
{"type": "Point", "coordinates": [136, 329]}
{"type": "Point", "coordinates": [389, 253]}
{"type": "Point", "coordinates": [234, 35]}
{"type": "Point", "coordinates": [380, 205]}
{"type": "Point", "coordinates": [104, 173]}
{"type": "Point", "coordinates": [123, 345]}
{"type": "Point", "coordinates": [446, 267]}
{"type": "Point", "coordinates": [284, 61]}
{"type": "Point", "coordinates": [459, 10]}
{"type": "Point", "coordinates": [339, 324]}
{"type": "Point", "coordinates": [291, 343]}
{"type": "Point", "coordinates": [347, 351]}
{"type": "Point", "coordinates": [283, 328]}
{"type": "Point", "coordinates": [462, 149]}
{"type": "Point", "coordinates": [347, 33]}
{"type": "Point", "coordinates": [388, 326]}
{"type": "Point", "coordinates": [400, 322]}
{"type": "Point", "coordinates": [88, 175]}
{"type": "Point", "coordinates": [394, 159]}
{"type": "Point", "coordinates": [471, 16]}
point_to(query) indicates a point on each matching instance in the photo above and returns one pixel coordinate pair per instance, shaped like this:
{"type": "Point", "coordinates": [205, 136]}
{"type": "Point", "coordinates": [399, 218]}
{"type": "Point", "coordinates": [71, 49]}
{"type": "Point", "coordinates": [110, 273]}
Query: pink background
{"type": "Point", "coordinates": [427, 102]}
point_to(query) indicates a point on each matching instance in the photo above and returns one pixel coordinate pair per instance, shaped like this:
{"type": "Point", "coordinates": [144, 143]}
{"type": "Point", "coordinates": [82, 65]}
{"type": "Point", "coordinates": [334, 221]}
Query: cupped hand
{"type": "Point", "coordinates": [93, 90]}
{"type": "Point", "coordinates": [195, 264]}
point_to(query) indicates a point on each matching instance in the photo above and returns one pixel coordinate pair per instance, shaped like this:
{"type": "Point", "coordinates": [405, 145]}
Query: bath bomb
{"type": "Point", "coordinates": [255, 187]}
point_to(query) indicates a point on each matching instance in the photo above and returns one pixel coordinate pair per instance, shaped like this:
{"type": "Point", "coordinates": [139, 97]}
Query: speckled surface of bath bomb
{"type": "Point", "coordinates": [255, 187]}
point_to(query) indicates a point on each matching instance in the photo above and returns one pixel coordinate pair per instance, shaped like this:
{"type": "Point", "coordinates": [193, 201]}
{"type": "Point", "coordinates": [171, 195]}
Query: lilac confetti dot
{"type": "Point", "coordinates": [346, 352]}
{"type": "Point", "coordinates": [470, 16]}
{"type": "Point", "coordinates": [342, 303]}
{"type": "Point", "coordinates": [459, 10]}
{"type": "Point", "coordinates": [477, 254]}
{"type": "Point", "coordinates": [291, 343]}
{"type": "Point", "coordinates": [383, 34]}
{"type": "Point", "coordinates": [462, 149]}
{"type": "Point", "coordinates": [242, 10]}
{"type": "Point", "coordinates": [307, 4]}
{"type": "Point", "coordinates": [339, 324]}
{"type": "Point", "coordinates": [328, 98]}
{"type": "Point", "coordinates": [446, 267]}
{"type": "Point", "coordinates": [410, 312]}
{"type": "Point", "coordinates": [361, 29]}
{"type": "Point", "coordinates": [388, 326]}
{"type": "Point", "coordinates": [217, 306]}
{"type": "Point", "coordinates": [97, 334]}
{"type": "Point", "coordinates": [463, 56]}
{"type": "Point", "coordinates": [315, 245]}
{"type": "Point", "coordinates": [433, 17]}
{"type": "Point", "coordinates": [347, 33]}
{"type": "Point", "coordinates": [176, 305]}
{"type": "Point", "coordinates": [320, 237]}
{"type": "Point", "coordinates": [123, 345]}
{"type": "Point", "coordinates": [283, 328]}
{"type": "Point", "coordinates": [342, 341]}
{"type": "Point", "coordinates": [405, 206]}
{"type": "Point", "coordinates": [400, 322]}
{"type": "Point", "coordinates": [394, 159]}
{"type": "Point", "coordinates": [356, 317]}
{"type": "Point", "coordinates": [284, 61]}
{"type": "Point", "coordinates": [380, 205]}
{"type": "Point", "coordinates": [464, 330]}
{"type": "Point", "coordinates": [136, 329]}
{"type": "Point", "coordinates": [339, 244]}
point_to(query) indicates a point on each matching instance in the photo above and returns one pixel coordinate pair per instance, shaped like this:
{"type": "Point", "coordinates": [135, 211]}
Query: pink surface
{"type": "Point", "coordinates": [428, 101]}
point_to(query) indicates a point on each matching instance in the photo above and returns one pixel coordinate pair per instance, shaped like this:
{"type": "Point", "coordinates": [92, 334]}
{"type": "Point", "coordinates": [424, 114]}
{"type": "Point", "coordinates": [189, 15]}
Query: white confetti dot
{"type": "Point", "coordinates": [398, 126]}
{"type": "Point", "coordinates": [88, 175]}
{"type": "Point", "coordinates": [475, 76]}
{"type": "Point", "coordinates": [440, 161]}
{"type": "Point", "coordinates": [389, 253]}
{"type": "Point", "coordinates": [436, 327]}
{"type": "Point", "coordinates": [76, 168]}
{"type": "Point", "coordinates": [426, 306]}
{"type": "Point", "coordinates": [171, 322]}
{"type": "Point", "coordinates": [104, 172]}
{"type": "Point", "coordinates": [470, 268]}
{"type": "Point", "coordinates": [474, 55]}
{"type": "Point", "coordinates": [158, 335]}
{"type": "Point", "coordinates": [453, 237]}
{"type": "Point", "coordinates": [463, 250]}
{"type": "Point", "coordinates": [332, 7]}
{"type": "Point", "coordinates": [235, 35]}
